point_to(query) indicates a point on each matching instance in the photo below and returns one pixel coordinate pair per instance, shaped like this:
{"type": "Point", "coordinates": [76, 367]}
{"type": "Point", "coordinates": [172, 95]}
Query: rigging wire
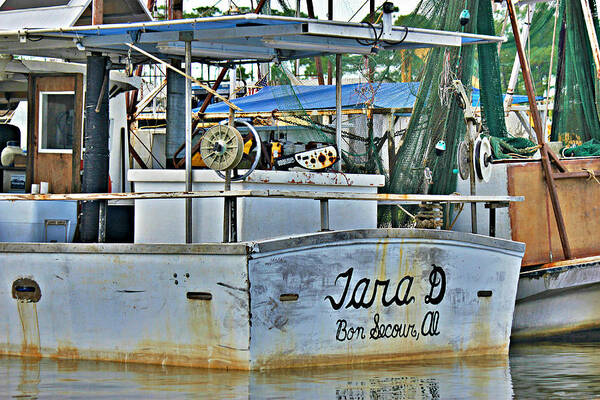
{"type": "Point", "coordinates": [357, 11]}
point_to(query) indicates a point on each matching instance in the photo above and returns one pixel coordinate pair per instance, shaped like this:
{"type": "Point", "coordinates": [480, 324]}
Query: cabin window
{"type": "Point", "coordinates": [56, 119]}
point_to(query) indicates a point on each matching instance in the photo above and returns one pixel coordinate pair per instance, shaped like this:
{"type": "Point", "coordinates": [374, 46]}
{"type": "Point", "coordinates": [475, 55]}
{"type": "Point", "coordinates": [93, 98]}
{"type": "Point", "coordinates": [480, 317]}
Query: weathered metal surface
{"type": "Point", "coordinates": [497, 186]}
{"type": "Point", "coordinates": [232, 38]}
{"type": "Point", "coordinates": [529, 219]}
{"type": "Point", "coordinates": [539, 131]}
{"type": "Point", "coordinates": [383, 198]}
{"type": "Point", "coordinates": [258, 217]}
{"type": "Point", "coordinates": [186, 305]}
{"type": "Point", "coordinates": [373, 299]}
{"type": "Point", "coordinates": [558, 300]}
{"type": "Point", "coordinates": [119, 248]}
{"type": "Point", "coordinates": [280, 244]}
{"type": "Point", "coordinates": [130, 307]}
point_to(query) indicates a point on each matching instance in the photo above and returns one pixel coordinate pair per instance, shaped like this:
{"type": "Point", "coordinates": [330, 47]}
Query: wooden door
{"type": "Point", "coordinates": [55, 131]}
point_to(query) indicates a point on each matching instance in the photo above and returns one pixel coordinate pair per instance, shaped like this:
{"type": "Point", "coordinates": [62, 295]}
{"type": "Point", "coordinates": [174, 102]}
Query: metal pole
{"type": "Point", "coordinates": [338, 108]}
{"type": "Point", "coordinates": [102, 221]}
{"type": "Point", "coordinates": [227, 205]}
{"type": "Point", "coordinates": [97, 12]}
{"type": "Point", "coordinates": [329, 66]}
{"type": "Point", "coordinates": [591, 31]}
{"type": "Point", "coordinates": [96, 135]}
{"type": "Point", "coordinates": [297, 69]}
{"type": "Point", "coordinates": [473, 191]}
{"type": "Point", "coordinates": [319, 67]}
{"type": "Point", "coordinates": [188, 142]}
{"type": "Point", "coordinates": [514, 75]}
{"type": "Point", "coordinates": [324, 203]}
{"type": "Point", "coordinates": [539, 131]}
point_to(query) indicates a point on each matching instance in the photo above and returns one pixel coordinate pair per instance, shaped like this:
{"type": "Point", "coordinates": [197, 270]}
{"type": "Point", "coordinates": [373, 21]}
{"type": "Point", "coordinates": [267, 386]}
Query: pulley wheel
{"type": "Point", "coordinates": [463, 160]}
{"type": "Point", "coordinates": [222, 148]}
{"type": "Point", "coordinates": [236, 177]}
{"type": "Point", "coordinates": [483, 159]}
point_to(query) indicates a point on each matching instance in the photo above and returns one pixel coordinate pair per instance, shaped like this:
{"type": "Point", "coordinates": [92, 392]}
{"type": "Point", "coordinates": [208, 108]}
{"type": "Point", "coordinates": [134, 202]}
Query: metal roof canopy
{"type": "Point", "coordinates": [15, 14]}
{"type": "Point", "coordinates": [241, 39]}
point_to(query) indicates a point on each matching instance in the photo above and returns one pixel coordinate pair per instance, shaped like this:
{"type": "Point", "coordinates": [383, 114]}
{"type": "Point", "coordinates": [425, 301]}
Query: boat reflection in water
{"type": "Point", "coordinates": [531, 371]}
{"type": "Point", "coordinates": [481, 377]}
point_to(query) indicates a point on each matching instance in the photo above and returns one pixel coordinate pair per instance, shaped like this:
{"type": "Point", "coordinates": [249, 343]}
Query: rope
{"type": "Point", "coordinates": [460, 207]}
{"type": "Point", "coordinates": [406, 212]}
{"type": "Point", "coordinates": [591, 175]}
{"type": "Point", "coordinates": [430, 216]}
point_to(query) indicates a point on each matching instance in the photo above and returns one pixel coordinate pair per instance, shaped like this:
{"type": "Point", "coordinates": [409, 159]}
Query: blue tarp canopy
{"type": "Point", "coordinates": [379, 96]}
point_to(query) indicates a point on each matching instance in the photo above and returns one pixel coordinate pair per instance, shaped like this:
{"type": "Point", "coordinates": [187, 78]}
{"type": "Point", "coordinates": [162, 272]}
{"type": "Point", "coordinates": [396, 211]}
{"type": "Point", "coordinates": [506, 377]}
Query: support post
{"type": "Point", "coordinates": [188, 143]}
{"type": "Point", "coordinates": [338, 109]}
{"type": "Point", "coordinates": [492, 220]}
{"type": "Point", "coordinates": [514, 75]}
{"type": "Point", "coordinates": [102, 221]}
{"type": "Point", "coordinates": [324, 204]}
{"type": "Point", "coordinates": [318, 65]}
{"type": "Point", "coordinates": [259, 6]}
{"type": "Point", "coordinates": [591, 31]}
{"type": "Point", "coordinates": [329, 66]}
{"type": "Point", "coordinates": [228, 206]}
{"type": "Point", "coordinates": [97, 12]}
{"type": "Point", "coordinates": [539, 130]}
{"type": "Point", "coordinates": [297, 62]}
{"type": "Point", "coordinates": [95, 158]}
{"type": "Point", "coordinates": [473, 189]}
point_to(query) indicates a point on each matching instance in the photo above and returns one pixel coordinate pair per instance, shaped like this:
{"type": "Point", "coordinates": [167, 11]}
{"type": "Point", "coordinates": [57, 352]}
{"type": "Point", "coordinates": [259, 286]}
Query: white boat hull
{"type": "Point", "coordinates": [331, 298]}
{"type": "Point", "coordinates": [559, 302]}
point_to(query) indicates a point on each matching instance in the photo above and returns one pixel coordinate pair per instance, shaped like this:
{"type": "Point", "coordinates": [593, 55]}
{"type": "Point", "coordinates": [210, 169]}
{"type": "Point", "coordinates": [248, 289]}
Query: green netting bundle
{"type": "Point", "coordinates": [589, 148]}
{"type": "Point", "coordinates": [512, 147]}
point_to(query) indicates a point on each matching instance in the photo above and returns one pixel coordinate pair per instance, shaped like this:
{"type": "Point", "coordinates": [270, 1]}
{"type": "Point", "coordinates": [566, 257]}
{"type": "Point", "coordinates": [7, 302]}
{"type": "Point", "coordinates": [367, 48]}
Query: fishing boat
{"type": "Point", "coordinates": [267, 269]}
{"type": "Point", "coordinates": [558, 221]}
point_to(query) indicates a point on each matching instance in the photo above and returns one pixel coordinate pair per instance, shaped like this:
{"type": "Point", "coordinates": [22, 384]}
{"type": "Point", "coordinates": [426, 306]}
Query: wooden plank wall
{"type": "Point", "coordinates": [532, 219]}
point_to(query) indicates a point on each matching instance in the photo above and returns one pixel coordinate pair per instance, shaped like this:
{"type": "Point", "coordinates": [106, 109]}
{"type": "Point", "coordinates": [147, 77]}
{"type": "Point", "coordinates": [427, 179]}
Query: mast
{"type": "Point", "coordinates": [537, 121]}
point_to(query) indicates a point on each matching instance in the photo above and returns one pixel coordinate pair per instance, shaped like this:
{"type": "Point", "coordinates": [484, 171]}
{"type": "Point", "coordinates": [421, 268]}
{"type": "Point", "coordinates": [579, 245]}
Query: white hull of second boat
{"type": "Point", "coordinates": [331, 298]}
{"type": "Point", "coordinates": [560, 301]}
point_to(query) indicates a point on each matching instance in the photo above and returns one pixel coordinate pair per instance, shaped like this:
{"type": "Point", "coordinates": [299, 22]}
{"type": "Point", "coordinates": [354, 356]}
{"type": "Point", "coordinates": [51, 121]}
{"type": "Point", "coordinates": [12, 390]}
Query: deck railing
{"type": "Point", "coordinates": [490, 202]}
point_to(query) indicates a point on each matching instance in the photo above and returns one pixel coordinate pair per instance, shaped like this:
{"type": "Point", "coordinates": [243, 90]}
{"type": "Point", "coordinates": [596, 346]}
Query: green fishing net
{"type": "Point", "coordinates": [587, 149]}
{"type": "Point", "coordinates": [436, 115]}
{"type": "Point", "coordinates": [489, 75]}
{"type": "Point", "coordinates": [512, 147]}
{"type": "Point", "coordinates": [575, 118]}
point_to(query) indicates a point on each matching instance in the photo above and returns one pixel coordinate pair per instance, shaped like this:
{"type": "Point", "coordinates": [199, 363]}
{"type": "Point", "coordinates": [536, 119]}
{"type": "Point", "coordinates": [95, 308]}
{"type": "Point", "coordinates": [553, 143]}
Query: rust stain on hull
{"type": "Point", "coordinates": [567, 263]}
{"type": "Point", "coordinates": [151, 353]}
{"type": "Point", "coordinates": [234, 359]}
{"type": "Point", "coordinates": [286, 361]}
{"type": "Point", "coordinates": [31, 332]}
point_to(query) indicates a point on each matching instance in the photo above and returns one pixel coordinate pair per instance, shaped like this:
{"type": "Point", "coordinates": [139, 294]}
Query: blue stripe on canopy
{"type": "Point", "coordinates": [360, 95]}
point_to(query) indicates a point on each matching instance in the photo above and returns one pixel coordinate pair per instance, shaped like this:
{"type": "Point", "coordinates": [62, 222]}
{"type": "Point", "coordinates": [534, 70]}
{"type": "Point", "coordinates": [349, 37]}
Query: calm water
{"type": "Point", "coordinates": [531, 372]}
